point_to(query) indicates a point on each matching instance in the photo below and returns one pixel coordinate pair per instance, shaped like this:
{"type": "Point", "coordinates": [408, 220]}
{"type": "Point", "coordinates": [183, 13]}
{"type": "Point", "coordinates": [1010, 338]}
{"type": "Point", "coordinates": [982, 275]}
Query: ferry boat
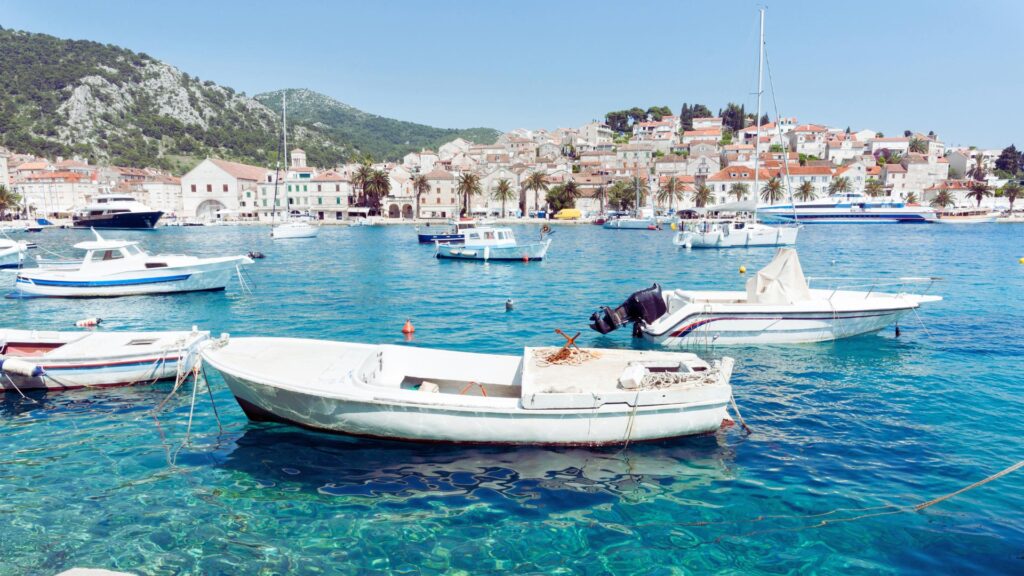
{"type": "Point", "coordinates": [849, 208]}
{"type": "Point", "coordinates": [965, 216]}
{"type": "Point", "coordinates": [116, 211]}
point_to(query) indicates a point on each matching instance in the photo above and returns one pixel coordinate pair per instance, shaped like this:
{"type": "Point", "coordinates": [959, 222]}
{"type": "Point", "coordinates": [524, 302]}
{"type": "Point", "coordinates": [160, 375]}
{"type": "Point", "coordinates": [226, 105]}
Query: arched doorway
{"type": "Point", "coordinates": [393, 211]}
{"type": "Point", "coordinates": [208, 209]}
{"type": "Point", "coordinates": [407, 212]}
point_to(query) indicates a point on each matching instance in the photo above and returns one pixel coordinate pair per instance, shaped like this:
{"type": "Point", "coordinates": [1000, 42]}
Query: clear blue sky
{"type": "Point", "coordinates": [953, 67]}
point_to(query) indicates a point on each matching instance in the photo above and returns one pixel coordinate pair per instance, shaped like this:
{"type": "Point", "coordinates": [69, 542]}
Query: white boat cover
{"type": "Point", "coordinates": [780, 282]}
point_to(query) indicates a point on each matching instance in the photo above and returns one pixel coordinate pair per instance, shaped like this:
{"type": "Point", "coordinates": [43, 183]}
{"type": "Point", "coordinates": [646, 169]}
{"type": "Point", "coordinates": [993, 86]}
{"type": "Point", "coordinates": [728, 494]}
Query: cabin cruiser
{"type": "Point", "coordinates": [116, 211]}
{"type": "Point", "coordinates": [965, 216]}
{"type": "Point", "coordinates": [734, 233]}
{"type": "Point", "coordinates": [487, 243]}
{"type": "Point", "coordinates": [544, 396]}
{"type": "Point", "coordinates": [778, 306]}
{"type": "Point", "coordinates": [850, 208]}
{"type": "Point", "coordinates": [121, 268]}
{"type": "Point", "coordinates": [52, 360]}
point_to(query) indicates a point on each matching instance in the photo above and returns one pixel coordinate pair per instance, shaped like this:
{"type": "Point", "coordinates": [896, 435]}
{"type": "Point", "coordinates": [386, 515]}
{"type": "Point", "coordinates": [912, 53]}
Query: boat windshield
{"type": "Point", "coordinates": [104, 255]}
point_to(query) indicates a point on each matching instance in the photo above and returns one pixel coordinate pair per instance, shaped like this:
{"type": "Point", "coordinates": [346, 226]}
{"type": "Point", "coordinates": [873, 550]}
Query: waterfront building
{"type": "Point", "coordinates": [218, 188]}
{"type": "Point", "coordinates": [163, 193]}
{"type": "Point", "coordinates": [808, 139]}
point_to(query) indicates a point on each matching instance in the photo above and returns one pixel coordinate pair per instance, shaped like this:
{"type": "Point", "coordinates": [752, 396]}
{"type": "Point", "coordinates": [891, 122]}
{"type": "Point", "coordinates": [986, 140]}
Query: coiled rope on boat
{"type": "Point", "coordinates": [563, 357]}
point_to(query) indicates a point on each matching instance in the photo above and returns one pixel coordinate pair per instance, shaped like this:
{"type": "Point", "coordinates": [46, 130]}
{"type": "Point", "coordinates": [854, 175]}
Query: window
{"type": "Point", "coordinates": [305, 188]}
{"type": "Point", "coordinates": [193, 187]}
{"type": "Point", "coordinates": [337, 187]}
{"type": "Point", "coordinates": [225, 188]}
{"type": "Point", "coordinates": [209, 187]}
{"type": "Point", "coordinates": [289, 187]}
{"type": "Point", "coordinates": [319, 188]}
{"type": "Point", "coordinates": [320, 200]}
{"type": "Point", "coordinates": [264, 202]}
{"type": "Point", "coordinates": [337, 199]}
{"type": "Point", "coordinates": [248, 194]}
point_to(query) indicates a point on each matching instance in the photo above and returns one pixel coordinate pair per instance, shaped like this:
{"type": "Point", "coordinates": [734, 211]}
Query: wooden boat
{"type": "Point", "coordinates": [965, 216]}
{"type": "Point", "coordinates": [487, 243]}
{"type": "Point", "coordinates": [420, 394]}
{"type": "Point", "coordinates": [37, 359]}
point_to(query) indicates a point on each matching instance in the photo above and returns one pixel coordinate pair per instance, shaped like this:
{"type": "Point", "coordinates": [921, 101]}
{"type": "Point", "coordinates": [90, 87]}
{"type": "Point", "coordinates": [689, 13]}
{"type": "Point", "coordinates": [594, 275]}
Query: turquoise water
{"type": "Point", "coordinates": [845, 435]}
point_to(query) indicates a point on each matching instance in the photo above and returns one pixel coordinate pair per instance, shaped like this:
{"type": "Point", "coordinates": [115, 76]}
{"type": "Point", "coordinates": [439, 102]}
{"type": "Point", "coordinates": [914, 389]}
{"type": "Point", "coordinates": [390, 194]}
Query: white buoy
{"type": "Point", "coordinates": [88, 322]}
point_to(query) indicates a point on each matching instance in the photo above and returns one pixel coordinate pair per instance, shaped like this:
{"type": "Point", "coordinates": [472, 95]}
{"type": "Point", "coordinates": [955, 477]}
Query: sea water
{"type": "Point", "coordinates": [846, 436]}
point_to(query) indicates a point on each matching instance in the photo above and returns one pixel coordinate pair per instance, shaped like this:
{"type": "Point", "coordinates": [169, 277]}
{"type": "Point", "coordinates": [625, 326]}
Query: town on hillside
{"type": "Point", "coordinates": [675, 163]}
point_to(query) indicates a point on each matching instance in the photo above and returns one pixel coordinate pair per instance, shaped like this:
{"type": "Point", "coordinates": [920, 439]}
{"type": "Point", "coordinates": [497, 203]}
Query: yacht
{"type": "Point", "coordinates": [848, 208]}
{"type": "Point", "coordinates": [116, 211]}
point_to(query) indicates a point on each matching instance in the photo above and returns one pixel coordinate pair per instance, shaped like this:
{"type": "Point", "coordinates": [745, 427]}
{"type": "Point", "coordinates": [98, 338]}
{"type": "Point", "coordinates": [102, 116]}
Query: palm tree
{"type": "Point", "coordinates": [911, 198]}
{"type": "Point", "coordinates": [771, 192]}
{"type": "Point", "coordinates": [503, 193]}
{"type": "Point", "coordinates": [1011, 190]}
{"type": "Point", "coordinates": [874, 187]}
{"type": "Point", "coordinates": [601, 193]}
{"type": "Point", "coordinates": [360, 179]}
{"type": "Point", "coordinates": [840, 185]}
{"type": "Point", "coordinates": [638, 188]}
{"type": "Point", "coordinates": [702, 196]}
{"type": "Point", "coordinates": [739, 190]}
{"type": "Point", "coordinates": [805, 192]}
{"type": "Point", "coordinates": [468, 186]}
{"type": "Point", "coordinates": [671, 192]}
{"type": "Point", "coordinates": [918, 145]}
{"type": "Point", "coordinates": [978, 172]}
{"type": "Point", "coordinates": [571, 192]}
{"type": "Point", "coordinates": [942, 199]}
{"type": "Point", "coordinates": [420, 186]}
{"type": "Point", "coordinates": [377, 186]}
{"type": "Point", "coordinates": [8, 200]}
{"type": "Point", "coordinates": [538, 182]}
{"type": "Point", "coordinates": [979, 189]}
{"type": "Point", "coordinates": [620, 195]}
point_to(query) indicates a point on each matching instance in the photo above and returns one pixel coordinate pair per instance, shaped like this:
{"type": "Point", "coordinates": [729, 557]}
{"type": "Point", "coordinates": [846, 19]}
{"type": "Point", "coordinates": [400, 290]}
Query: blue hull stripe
{"type": "Point", "coordinates": [101, 283]}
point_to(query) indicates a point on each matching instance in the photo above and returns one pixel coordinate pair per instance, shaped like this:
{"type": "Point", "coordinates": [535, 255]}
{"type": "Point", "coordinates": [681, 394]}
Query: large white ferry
{"type": "Point", "coordinates": [848, 208]}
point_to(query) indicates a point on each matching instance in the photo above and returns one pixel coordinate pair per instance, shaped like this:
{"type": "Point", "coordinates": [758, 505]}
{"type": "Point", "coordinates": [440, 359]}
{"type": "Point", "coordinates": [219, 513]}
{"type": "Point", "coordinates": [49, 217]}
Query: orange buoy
{"type": "Point", "coordinates": [88, 322]}
{"type": "Point", "coordinates": [526, 258]}
{"type": "Point", "coordinates": [408, 328]}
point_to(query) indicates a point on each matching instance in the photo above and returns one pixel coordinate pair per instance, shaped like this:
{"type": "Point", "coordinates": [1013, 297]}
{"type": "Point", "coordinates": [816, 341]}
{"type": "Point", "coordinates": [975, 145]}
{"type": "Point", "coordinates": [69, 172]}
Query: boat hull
{"type": "Point", "coordinates": [988, 219]}
{"type": "Point", "coordinates": [841, 216]}
{"type": "Point", "coordinates": [747, 238]}
{"type": "Point", "coordinates": [630, 224]}
{"type": "Point", "coordinates": [120, 220]}
{"type": "Point", "coordinates": [290, 231]}
{"type": "Point", "coordinates": [520, 252]}
{"type": "Point", "coordinates": [609, 424]}
{"type": "Point", "coordinates": [55, 284]}
{"type": "Point", "coordinates": [113, 367]}
{"type": "Point", "coordinates": [447, 238]}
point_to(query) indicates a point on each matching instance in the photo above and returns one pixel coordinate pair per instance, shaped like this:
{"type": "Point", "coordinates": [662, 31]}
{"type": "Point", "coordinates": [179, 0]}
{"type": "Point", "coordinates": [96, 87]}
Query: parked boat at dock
{"type": "Point", "coordinates": [778, 306]}
{"type": "Point", "coordinates": [486, 243]}
{"type": "Point", "coordinates": [121, 268]}
{"type": "Point", "coordinates": [734, 233]}
{"type": "Point", "coordinates": [420, 394]}
{"type": "Point", "coordinates": [965, 216]}
{"type": "Point", "coordinates": [851, 208]}
{"type": "Point", "coordinates": [51, 360]}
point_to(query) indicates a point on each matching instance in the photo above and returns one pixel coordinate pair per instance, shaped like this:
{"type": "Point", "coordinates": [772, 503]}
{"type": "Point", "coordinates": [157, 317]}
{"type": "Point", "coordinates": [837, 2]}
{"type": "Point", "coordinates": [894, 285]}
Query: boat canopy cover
{"type": "Point", "coordinates": [742, 206]}
{"type": "Point", "coordinates": [104, 244]}
{"type": "Point", "coordinates": [780, 282]}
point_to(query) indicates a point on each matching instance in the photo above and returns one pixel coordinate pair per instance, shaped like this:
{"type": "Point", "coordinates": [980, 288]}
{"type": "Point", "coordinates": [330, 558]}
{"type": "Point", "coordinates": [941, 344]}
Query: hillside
{"type": "Point", "coordinates": [382, 138]}
{"type": "Point", "coordinates": [109, 104]}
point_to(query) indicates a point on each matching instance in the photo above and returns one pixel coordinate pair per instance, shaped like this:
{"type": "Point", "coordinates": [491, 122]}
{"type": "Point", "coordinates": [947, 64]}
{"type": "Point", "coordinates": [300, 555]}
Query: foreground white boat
{"type": "Point", "coordinates": [407, 393]}
{"type": "Point", "coordinates": [12, 253]}
{"type": "Point", "coordinates": [777, 307]}
{"type": "Point", "coordinates": [735, 233]}
{"type": "Point", "coordinates": [294, 229]}
{"type": "Point", "coordinates": [121, 268]}
{"type": "Point", "coordinates": [36, 359]}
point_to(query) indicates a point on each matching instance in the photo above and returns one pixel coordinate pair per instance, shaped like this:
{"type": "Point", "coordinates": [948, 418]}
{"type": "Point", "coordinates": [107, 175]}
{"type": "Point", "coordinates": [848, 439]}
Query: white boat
{"type": "Point", "coordinates": [487, 243]}
{"type": "Point", "coordinates": [631, 223]}
{"type": "Point", "coordinates": [852, 208]}
{"type": "Point", "coordinates": [965, 216]}
{"type": "Point", "coordinates": [778, 306]}
{"type": "Point", "coordinates": [12, 253]}
{"type": "Point", "coordinates": [116, 211]}
{"type": "Point", "coordinates": [121, 268]}
{"type": "Point", "coordinates": [37, 359]}
{"type": "Point", "coordinates": [295, 229]}
{"type": "Point", "coordinates": [421, 394]}
{"type": "Point", "coordinates": [734, 233]}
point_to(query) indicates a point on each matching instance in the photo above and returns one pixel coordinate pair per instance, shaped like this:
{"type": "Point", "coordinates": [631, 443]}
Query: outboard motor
{"type": "Point", "coordinates": [642, 307]}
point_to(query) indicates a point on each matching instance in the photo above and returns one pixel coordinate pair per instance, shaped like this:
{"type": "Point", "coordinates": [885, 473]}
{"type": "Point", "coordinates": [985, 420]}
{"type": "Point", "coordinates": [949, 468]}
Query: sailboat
{"type": "Point", "coordinates": [642, 219]}
{"type": "Point", "coordinates": [290, 228]}
{"type": "Point", "coordinates": [742, 232]}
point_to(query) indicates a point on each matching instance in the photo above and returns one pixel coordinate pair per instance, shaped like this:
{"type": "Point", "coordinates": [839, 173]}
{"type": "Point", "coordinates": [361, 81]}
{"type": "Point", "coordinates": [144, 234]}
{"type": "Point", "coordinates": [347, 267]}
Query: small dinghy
{"type": "Point", "coordinates": [12, 252]}
{"type": "Point", "coordinates": [36, 359]}
{"type": "Point", "coordinates": [121, 268]}
{"type": "Point", "coordinates": [778, 306]}
{"type": "Point", "coordinates": [487, 243]}
{"type": "Point", "coordinates": [546, 396]}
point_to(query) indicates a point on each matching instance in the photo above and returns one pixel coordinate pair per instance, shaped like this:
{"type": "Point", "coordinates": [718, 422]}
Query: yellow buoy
{"type": "Point", "coordinates": [743, 269]}
{"type": "Point", "coordinates": [674, 227]}
{"type": "Point", "coordinates": [1021, 260]}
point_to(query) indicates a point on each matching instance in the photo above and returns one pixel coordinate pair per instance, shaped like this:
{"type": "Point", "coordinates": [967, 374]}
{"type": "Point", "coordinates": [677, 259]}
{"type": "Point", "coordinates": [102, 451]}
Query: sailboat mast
{"type": "Point", "coordinates": [757, 119]}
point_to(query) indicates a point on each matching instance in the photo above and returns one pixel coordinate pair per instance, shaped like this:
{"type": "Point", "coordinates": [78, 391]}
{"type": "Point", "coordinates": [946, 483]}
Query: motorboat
{"type": "Point", "coordinates": [12, 253]}
{"type": "Point", "coordinates": [778, 306]}
{"type": "Point", "coordinates": [429, 395]}
{"type": "Point", "coordinates": [121, 268]}
{"type": "Point", "coordinates": [734, 233]}
{"type": "Point", "coordinates": [453, 233]}
{"type": "Point", "coordinates": [965, 216]}
{"type": "Point", "coordinates": [487, 243]}
{"type": "Point", "coordinates": [848, 208]}
{"type": "Point", "coordinates": [116, 211]}
{"type": "Point", "coordinates": [631, 223]}
{"type": "Point", "coordinates": [52, 360]}
{"type": "Point", "coordinates": [294, 229]}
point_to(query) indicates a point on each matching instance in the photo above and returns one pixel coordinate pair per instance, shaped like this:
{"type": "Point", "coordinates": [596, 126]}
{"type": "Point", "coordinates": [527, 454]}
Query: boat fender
{"type": "Point", "coordinates": [632, 377]}
{"type": "Point", "coordinates": [88, 322]}
{"type": "Point", "coordinates": [20, 367]}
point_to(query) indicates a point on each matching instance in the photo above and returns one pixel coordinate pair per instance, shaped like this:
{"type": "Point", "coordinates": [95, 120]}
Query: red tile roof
{"type": "Point", "coordinates": [241, 171]}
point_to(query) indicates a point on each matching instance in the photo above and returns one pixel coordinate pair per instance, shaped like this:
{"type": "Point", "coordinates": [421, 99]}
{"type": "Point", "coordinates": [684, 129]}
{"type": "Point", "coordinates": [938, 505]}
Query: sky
{"type": "Point", "coordinates": [949, 66]}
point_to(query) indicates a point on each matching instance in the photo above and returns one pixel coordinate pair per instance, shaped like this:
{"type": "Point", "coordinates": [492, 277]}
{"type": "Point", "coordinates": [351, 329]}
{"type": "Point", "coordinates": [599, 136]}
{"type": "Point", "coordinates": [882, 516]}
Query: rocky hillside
{"type": "Point", "coordinates": [74, 97]}
{"type": "Point", "coordinates": [371, 134]}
